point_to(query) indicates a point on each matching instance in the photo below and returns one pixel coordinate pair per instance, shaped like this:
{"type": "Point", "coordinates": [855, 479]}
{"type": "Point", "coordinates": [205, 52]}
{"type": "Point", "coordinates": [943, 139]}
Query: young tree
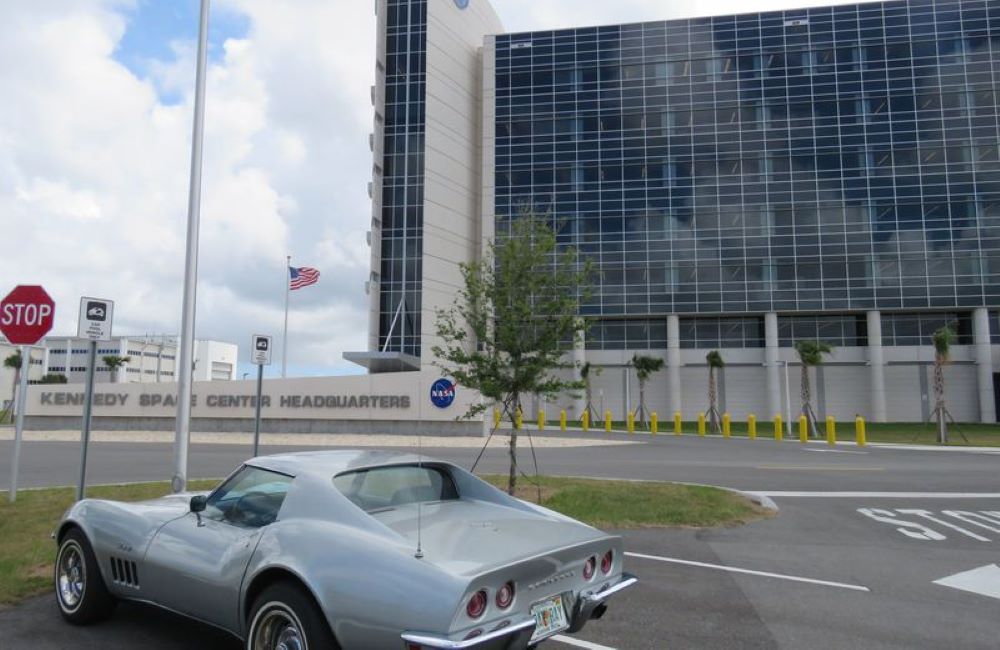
{"type": "Point", "coordinates": [714, 360]}
{"type": "Point", "coordinates": [810, 354]}
{"type": "Point", "coordinates": [942, 339]}
{"type": "Point", "coordinates": [13, 361]}
{"type": "Point", "coordinates": [644, 368]}
{"type": "Point", "coordinates": [585, 375]}
{"type": "Point", "coordinates": [114, 362]}
{"type": "Point", "coordinates": [514, 318]}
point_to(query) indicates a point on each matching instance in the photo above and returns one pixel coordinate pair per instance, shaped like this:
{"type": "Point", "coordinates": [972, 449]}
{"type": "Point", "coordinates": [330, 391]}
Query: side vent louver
{"type": "Point", "coordinates": [124, 572]}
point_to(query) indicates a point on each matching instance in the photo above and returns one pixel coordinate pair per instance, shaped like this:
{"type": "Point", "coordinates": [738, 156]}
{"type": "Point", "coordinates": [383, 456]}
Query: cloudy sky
{"type": "Point", "coordinates": [95, 128]}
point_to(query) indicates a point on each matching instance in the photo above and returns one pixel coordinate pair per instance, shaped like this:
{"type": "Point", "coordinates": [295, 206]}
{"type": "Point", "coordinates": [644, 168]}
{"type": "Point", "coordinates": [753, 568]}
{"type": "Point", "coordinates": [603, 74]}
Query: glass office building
{"type": "Point", "coordinates": [740, 182]}
{"type": "Point", "coordinates": [833, 159]}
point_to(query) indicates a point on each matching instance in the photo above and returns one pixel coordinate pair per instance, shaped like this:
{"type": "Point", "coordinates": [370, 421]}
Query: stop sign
{"type": "Point", "coordinates": [26, 314]}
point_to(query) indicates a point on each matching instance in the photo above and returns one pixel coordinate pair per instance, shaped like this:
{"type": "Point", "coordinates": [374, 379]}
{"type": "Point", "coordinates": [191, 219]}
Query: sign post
{"type": "Point", "coordinates": [26, 315]}
{"type": "Point", "coordinates": [94, 324]}
{"type": "Point", "coordinates": [260, 355]}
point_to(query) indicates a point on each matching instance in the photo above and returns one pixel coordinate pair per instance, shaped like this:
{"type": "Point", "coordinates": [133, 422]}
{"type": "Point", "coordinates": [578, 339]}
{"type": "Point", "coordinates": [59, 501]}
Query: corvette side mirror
{"type": "Point", "coordinates": [198, 503]}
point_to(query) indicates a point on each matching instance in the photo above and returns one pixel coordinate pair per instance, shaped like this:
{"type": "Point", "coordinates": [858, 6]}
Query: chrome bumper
{"type": "Point", "coordinates": [515, 635]}
{"type": "Point", "coordinates": [588, 602]}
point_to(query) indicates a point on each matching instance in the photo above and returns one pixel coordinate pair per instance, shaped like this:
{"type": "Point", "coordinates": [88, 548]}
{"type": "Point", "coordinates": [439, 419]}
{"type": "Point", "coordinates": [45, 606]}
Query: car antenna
{"type": "Point", "coordinates": [420, 464]}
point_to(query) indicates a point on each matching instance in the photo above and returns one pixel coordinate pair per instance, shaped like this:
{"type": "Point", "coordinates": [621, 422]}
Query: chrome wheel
{"type": "Point", "coordinates": [71, 576]}
{"type": "Point", "coordinates": [277, 628]}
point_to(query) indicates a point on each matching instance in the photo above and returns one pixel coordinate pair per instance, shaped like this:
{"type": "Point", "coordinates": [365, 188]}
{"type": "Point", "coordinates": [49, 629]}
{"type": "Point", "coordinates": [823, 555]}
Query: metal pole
{"type": "Point", "coordinates": [88, 409]}
{"type": "Point", "coordinates": [184, 365]}
{"type": "Point", "coordinates": [22, 391]}
{"type": "Point", "coordinates": [256, 419]}
{"type": "Point", "coordinates": [284, 338]}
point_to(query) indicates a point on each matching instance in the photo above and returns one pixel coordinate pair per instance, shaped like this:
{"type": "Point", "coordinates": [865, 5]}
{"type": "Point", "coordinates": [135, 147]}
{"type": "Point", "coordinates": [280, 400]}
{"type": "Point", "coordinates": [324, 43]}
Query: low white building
{"type": "Point", "coordinates": [151, 359]}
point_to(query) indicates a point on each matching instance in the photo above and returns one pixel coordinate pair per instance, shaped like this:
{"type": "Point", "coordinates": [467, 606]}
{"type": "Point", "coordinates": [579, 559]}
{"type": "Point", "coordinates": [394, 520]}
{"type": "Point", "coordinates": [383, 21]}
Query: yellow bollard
{"type": "Point", "coordinates": [859, 431]}
{"type": "Point", "coordinates": [803, 429]}
{"type": "Point", "coordinates": [831, 430]}
{"type": "Point", "coordinates": [726, 430]}
{"type": "Point", "coordinates": [585, 421]}
{"type": "Point", "coordinates": [541, 420]}
{"type": "Point", "coordinates": [653, 423]}
{"type": "Point", "coordinates": [630, 422]}
{"type": "Point", "coordinates": [518, 419]}
{"type": "Point", "coordinates": [752, 426]}
{"type": "Point", "coordinates": [677, 423]}
{"type": "Point", "coordinates": [496, 418]}
{"type": "Point", "coordinates": [701, 423]}
{"type": "Point", "coordinates": [607, 421]}
{"type": "Point", "coordinates": [779, 428]}
{"type": "Point", "coordinates": [562, 420]}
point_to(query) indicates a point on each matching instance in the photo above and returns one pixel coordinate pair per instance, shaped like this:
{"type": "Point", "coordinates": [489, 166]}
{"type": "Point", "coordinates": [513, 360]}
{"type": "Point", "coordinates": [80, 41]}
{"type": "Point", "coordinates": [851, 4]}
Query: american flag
{"type": "Point", "coordinates": [302, 277]}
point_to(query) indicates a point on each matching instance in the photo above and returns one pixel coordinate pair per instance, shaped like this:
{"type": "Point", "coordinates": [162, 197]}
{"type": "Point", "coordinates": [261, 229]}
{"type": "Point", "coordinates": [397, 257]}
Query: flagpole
{"type": "Point", "coordinates": [284, 342]}
{"type": "Point", "coordinates": [185, 362]}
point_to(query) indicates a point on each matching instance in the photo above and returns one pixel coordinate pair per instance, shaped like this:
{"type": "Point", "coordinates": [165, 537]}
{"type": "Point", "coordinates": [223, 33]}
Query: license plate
{"type": "Point", "coordinates": [550, 617]}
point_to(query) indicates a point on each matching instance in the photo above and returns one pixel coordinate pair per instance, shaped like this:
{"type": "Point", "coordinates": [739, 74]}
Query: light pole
{"type": "Point", "coordinates": [184, 365]}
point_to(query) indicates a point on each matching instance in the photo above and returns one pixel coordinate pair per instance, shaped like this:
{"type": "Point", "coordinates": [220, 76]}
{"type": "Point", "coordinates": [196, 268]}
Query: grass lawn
{"type": "Point", "coordinates": [979, 435]}
{"type": "Point", "coordinates": [27, 552]}
{"type": "Point", "coordinates": [628, 504]}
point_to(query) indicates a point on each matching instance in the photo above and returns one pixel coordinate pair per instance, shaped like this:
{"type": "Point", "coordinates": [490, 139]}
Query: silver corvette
{"type": "Point", "coordinates": [344, 549]}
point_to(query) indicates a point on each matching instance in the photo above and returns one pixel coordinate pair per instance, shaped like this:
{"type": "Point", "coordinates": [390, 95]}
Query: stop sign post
{"type": "Point", "coordinates": [26, 316]}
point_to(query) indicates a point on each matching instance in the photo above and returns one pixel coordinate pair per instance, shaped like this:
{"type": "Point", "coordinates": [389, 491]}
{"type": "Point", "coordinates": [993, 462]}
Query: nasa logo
{"type": "Point", "coordinates": [442, 393]}
{"type": "Point", "coordinates": [462, 4]}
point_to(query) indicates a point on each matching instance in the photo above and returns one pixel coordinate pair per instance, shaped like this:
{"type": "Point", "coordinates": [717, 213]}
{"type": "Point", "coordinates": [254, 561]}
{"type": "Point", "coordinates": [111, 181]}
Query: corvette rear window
{"type": "Point", "coordinates": [389, 487]}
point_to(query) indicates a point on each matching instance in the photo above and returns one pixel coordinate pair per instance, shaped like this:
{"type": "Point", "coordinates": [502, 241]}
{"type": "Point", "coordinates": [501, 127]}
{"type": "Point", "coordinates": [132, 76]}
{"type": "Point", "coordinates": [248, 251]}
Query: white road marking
{"type": "Point", "coordinates": [876, 495]}
{"type": "Point", "coordinates": [984, 581]}
{"type": "Point", "coordinates": [927, 515]}
{"type": "Point", "coordinates": [580, 643]}
{"type": "Point", "coordinates": [766, 574]}
{"type": "Point", "coordinates": [971, 517]}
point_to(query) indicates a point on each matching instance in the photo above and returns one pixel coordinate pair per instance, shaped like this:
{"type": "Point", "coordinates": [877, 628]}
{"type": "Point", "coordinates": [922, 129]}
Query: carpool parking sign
{"type": "Point", "coordinates": [442, 393]}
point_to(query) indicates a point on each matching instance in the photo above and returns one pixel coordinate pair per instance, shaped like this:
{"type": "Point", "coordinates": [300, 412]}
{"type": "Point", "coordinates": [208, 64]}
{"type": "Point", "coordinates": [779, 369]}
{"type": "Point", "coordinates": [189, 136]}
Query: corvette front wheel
{"type": "Point", "coordinates": [285, 618]}
{"type": "Point", "coordinates": [80, 591]}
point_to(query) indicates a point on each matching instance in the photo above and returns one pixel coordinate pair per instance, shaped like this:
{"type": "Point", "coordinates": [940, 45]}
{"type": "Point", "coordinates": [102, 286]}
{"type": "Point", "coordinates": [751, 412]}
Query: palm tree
{"type": "Point", "coordinates": [644, 367]}
{"type": "Point", "coordinates": [14, 362]}
{"type": "Point", "coordinates": [810, 354]}
{"type": "Point", "coordinates": [942, 339]}
{"type": "Point", "coordinates": [585, 371]}
{"type": "Point", "coordinates": [114, 362]}
{"type": "Point", "coordinates": [714, 360]}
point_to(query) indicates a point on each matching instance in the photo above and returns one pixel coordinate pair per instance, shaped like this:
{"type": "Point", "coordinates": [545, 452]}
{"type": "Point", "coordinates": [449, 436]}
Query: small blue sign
{"type": "Point", "coordinates": [442, 393]}
{"type": "Point", "coordinates": [462, 4]}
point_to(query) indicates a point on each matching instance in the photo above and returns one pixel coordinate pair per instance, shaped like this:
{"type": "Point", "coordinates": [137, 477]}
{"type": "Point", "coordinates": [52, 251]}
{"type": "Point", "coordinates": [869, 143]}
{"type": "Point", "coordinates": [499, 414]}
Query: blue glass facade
{"type": "Point", "coordinates": [403, 176]}
{"type": "Point", "coordinates": [819, 161]}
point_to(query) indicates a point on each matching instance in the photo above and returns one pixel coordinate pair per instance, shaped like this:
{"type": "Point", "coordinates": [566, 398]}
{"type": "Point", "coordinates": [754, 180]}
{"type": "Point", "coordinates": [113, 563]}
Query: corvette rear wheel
{"type": "Point", "coordinates": [80, 591]}
{"type": "Point", "coordinates": [285, 618]}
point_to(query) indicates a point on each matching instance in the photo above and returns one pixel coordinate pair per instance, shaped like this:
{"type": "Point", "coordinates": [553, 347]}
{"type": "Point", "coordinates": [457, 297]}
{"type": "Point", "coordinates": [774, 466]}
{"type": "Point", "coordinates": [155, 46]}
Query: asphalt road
{"type": "Point", "coordinates": [856, 570]}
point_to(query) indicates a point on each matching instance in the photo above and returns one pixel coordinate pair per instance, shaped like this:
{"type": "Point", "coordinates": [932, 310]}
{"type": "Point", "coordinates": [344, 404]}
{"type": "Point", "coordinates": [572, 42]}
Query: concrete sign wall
{"type": "Point", "coordinates": [385, 397]}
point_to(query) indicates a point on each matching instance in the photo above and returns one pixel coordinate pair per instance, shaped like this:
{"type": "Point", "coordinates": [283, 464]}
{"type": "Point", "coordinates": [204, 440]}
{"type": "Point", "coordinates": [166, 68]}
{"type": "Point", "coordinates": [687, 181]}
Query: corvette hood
{"type": "Point", "coordinates": [465, 537]}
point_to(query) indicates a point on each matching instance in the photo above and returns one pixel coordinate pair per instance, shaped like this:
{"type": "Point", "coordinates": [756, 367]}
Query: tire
{"type": "Point", "coordinates": [284, 612]}
{"type": "Point", "coordinates": [81, 594]}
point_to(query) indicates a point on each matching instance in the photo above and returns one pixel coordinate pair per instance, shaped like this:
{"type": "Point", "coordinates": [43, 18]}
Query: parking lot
{"type": "Point", "coordinates": [877, 548]}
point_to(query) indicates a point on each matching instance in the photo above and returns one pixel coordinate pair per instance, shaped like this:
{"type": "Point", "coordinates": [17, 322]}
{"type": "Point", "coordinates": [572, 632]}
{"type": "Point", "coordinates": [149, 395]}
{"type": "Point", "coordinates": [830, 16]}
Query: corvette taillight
{"type": "Point", "coordinates": [588, 568]}
{"type": "Point", "coordinates": [477, 604]}
{"type": "Point", "coordinates": [505, 595]}
{"type": "Point", "coordinates": [607, 561]}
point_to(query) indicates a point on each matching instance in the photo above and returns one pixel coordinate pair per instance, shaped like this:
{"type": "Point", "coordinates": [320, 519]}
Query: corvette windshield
{"type": "Point", "coordinates": [388, 487]}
